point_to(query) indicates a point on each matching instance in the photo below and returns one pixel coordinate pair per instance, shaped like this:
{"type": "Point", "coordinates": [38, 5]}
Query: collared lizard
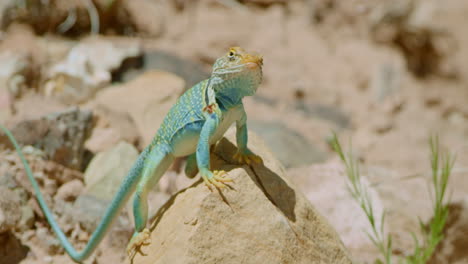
{"type": "Point", "coordinates": [198, 120]}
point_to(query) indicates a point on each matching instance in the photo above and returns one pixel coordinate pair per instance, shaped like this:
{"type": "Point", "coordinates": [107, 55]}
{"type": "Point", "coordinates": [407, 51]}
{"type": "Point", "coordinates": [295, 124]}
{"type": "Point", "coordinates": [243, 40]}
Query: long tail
{"type": "Point", "coordinates": [126, 188]}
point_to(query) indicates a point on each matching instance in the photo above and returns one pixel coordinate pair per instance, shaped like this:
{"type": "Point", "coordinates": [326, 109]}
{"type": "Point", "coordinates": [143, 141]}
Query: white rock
{"type": "Point", "coordinates": [87, 68]}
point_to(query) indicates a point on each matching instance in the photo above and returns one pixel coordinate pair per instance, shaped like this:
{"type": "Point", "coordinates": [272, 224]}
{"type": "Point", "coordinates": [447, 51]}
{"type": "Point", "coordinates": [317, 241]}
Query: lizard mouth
{"type": "Point", "coordinates": [252, 61]}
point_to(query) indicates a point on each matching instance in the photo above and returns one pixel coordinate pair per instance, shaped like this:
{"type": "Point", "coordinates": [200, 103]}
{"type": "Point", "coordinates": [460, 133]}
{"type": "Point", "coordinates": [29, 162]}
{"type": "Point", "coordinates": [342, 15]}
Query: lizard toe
{"type": "Point", "coordinates": [139, 239]}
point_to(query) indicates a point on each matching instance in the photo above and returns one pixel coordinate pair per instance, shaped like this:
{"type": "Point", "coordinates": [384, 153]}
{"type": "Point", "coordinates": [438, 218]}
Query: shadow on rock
{"type": "Point", "coordinates": [452, 248]}
{"type": "Point", "coordinates": [270, 183]}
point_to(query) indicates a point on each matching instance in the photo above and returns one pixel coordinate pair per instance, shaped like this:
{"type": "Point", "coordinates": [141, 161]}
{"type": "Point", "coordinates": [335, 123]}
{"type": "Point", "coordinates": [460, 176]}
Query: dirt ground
{"type": "Point", "coordinates": [384, 75]}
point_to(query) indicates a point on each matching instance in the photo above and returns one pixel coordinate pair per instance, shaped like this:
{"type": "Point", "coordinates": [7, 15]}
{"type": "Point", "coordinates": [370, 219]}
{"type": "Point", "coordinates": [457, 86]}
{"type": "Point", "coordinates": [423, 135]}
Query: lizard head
{"type": "Point", "coordinates": [237, 64]}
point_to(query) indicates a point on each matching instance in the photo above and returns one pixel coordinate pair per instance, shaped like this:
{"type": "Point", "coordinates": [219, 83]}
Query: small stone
{"type": "Point", "coordinates": [10, 212]}
{"type": "Point", "coordinates": [12, 250]}
{"type": "Point", "coordinates": [13, 64]}
{"type": "Point", "coordinates": [70, 190]}
{"type": "Point", "coordinates": [48, 241]}
{"type": "Point", "coordinates": [50, 186]}
{"type": "Point", "coordinates": [27, 217]}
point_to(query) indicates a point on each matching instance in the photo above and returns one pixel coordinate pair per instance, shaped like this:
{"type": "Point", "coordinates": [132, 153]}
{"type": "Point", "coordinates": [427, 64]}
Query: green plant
{"type": "Point", "coordinates": [441, 166]}
{"type": "Point", "coordinates": [361, 195]}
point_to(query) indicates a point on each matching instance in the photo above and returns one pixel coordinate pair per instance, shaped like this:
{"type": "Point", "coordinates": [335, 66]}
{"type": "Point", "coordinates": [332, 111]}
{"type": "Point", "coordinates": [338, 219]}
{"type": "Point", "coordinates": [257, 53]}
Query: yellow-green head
{"type": "Point", "coordinates": [240, 68]}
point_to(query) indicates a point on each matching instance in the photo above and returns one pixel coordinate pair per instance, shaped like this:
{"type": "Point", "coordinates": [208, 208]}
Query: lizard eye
{"type": "Point", "coordinates": [231, 56]}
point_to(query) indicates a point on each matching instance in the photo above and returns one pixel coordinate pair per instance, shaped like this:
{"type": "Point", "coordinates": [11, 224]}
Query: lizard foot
{"type": "Point", "coordinates": [216, 178]}
{"type": "Point", "coordinates": [247, 158]}
{"type": "Point", "coordinates": [139, 239]}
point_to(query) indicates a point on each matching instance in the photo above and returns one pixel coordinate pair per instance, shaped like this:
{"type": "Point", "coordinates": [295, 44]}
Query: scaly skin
{"type": "Point", "coordinates": [199, 119]}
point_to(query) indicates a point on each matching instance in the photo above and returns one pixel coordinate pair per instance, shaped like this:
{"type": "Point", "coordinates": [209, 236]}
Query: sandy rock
{"type": "Point", "coordinates": [86, 69]}
{"type": "Point", "coordinates": [70, 190]}
{"type": "Point", "coordinates": [260, 219]}
{"type": "Point", "coordinates": [60, 135]}
{"type": "Point", "coordinates": [146, 99]}
{"type": "Point", "coordinates": [146, 16]}
{"type": "Point", "coordinates": [10, 212]}
{"type": "Point", "coordinates": [110, 128]}
{"type": "Point", "coordinates": [34, 106]}
{"type": "Point", "coordinates": [191, 71]}
{"type": "Point", "coordinates": [107, 170]}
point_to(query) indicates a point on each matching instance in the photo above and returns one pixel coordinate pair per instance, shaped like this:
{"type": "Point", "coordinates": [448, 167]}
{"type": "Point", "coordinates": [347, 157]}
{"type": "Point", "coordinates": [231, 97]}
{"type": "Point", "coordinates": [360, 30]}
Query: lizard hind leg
{"type": "Point", "coordinates": [156, 163]}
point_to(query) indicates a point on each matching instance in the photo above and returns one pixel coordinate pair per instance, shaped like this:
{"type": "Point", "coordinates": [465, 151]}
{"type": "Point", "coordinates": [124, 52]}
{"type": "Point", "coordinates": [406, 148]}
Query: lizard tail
{"type": "Point", "coordinates": [117, 203]}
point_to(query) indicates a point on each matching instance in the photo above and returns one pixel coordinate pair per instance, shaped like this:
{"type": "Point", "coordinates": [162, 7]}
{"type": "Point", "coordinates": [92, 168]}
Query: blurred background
{"type": "Point", "coordinates": [89, 81]}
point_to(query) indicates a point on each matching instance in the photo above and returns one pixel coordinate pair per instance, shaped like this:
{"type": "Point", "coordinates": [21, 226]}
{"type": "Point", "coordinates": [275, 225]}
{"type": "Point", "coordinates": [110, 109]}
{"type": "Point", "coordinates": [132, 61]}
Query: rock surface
{"type": "Point", "coordinates": [60, 135]}
{"type": "Point", "coordinates": [109, 129]}
{"type": "Point", "coordinates": [260, 218]}
{"type": "Point", "coordinates": [290, 147]}
{"type": "Point", "coordinates": [107, 170]}
{"type": "Point", "coordinates": [189, 70]}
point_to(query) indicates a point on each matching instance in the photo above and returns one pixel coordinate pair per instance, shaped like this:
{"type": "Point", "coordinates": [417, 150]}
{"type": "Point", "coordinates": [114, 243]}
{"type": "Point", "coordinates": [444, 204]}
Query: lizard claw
{"type": "Point", "coordinates": [248, 159]}
{"type": "Point", "coordinates": [216, 178]}
{"type": "Point", "coordinates": [139, 239]}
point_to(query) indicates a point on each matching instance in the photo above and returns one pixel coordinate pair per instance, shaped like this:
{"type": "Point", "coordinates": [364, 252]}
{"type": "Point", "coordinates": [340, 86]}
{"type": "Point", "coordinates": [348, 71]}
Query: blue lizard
{"type": "Point", "coordinates": [198, 119]}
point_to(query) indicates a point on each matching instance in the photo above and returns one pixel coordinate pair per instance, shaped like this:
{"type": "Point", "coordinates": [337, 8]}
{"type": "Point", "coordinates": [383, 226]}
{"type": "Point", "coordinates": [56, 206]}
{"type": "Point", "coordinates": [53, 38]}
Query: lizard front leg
{"type": "Point", "coordinates": [243, 154]}
{"type": "Point", "coordinates": [203, 153]}
{"type": "Point", "coordinates": [191, 168]}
